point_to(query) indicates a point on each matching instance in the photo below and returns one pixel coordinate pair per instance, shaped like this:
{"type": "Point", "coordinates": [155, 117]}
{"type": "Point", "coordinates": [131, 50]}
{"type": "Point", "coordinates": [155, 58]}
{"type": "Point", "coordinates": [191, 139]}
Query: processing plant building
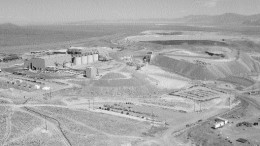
{"type": "Point", "coordinates": [82, 55]}
{"type": "Point", "coordinates": [40, 63]}
{"type": "Point", "coordinates": [75, 56]}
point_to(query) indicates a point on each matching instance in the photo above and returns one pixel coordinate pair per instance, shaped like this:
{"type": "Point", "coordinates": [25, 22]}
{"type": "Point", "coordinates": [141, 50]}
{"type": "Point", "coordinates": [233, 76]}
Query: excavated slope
{"type": "Point", "coordinates": [244, 64]}
{"type": "Point", "coordinates": [183, 68]}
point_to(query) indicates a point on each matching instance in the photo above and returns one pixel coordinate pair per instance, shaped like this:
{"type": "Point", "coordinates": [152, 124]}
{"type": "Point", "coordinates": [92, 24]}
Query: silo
{"type": "Point", "coordinates": [67, 64]}
{"type": "Point", "coordinates": [95, 57]}
{"type": "Point", "coordinates": [90, 59]}
{"type": "Point", "coordinates": [78, 60]}
{"type": "Point", "coordinates": [152, 56]}
{"type": "Point", "coordinates": [84, 60]}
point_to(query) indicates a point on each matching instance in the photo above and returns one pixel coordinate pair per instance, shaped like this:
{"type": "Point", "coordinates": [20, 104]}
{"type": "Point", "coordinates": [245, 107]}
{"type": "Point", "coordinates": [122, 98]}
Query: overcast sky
{"type": "Point", "coordinates": [58, 11]}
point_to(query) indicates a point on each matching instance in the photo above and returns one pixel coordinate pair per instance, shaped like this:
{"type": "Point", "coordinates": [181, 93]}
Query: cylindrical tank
{"type": "Point", "coordinates": [90, 59]}
{"type": "Point", "coordinates": [95, 57]}
{"type": "Point", "coordinates": [84, 60]}
{"type": "Point", "coordinates": [68, 64]}
{"type": "Point", "coordinates": [152, 56]}
{"type": "Point", "coordinates": [77, 60]}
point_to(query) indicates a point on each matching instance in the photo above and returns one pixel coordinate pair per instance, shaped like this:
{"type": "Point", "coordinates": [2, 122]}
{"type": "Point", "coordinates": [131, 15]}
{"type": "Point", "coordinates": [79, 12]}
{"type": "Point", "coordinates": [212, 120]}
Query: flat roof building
{"type": "Point", "coordinates": [91, 72]}
{"type": "Point", "coordinates": [60, 51]}
{"type": "Point", "coordinates": [220, 122]}
{"type": "Point", "coordinates": [82, 50]}
{"type": "Point", "coordinates": [40, 63]}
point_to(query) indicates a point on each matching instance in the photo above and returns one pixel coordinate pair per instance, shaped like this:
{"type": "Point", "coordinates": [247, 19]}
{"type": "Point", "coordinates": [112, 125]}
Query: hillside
{"type": "Point", "coordinates": [224, 19]}
{"type": "Point", "coordinates": [243, 65]}
{"type": "Point", "coordinates": [252, 22]}
{"type": "Point", "coordinates": [6, 26]}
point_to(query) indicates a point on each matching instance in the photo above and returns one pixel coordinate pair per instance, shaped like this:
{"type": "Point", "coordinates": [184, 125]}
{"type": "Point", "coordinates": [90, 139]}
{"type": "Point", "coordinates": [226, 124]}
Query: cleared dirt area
{"type": "Point", "coordinates": [163, 79]}
{"type": "Point", "coordinates": [154, 88]}
{"type": "Point", "coordinates": [205, 134]}
{"type": "Point", "coordinates": [206, 69]}
{"type": "Point", "coordinates": [186, 36]}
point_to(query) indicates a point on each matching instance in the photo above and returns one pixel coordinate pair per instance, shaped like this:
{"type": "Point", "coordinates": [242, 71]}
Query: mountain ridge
{"type": "Point", "coordinates": [9, 26]}
{"type": "Point", "coordinates": [223, 19]}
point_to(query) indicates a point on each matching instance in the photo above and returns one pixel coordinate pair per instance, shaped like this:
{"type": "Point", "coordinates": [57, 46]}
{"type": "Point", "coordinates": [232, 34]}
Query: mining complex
{"type": "Point", "coordinates": [155, 87]}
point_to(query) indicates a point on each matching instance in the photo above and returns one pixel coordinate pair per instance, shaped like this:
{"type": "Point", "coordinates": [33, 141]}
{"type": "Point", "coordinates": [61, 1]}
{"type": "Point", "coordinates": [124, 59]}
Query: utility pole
{"type": "Point", "coordinates": [200, 105]}
{"type": "Point", "coordinates": [194, 104]}
{"type": "Point", "coordinates": [89, 103]}
{"type": "Point", "coordinates": [93, 104]}
{"type": "Point", "coordinates": [152, 118]}
{"type": "Point", "coordinates": [46, 128]}
{"type": "Point", "coordinates": [230, 101]}
{"type": "Point", "coordinates": [50, 93]}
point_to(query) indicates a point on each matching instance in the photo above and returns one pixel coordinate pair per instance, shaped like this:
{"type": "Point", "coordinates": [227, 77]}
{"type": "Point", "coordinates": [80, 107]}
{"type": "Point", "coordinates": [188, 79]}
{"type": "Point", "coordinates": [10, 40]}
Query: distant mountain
{"type": "Point", "coordinates": [120, 21]}
{"type": "Point", "coordinates": [9, 26]}
{"type": "Point", "coordinates": [224, 19]}
{"type": "Point", "coordinates": [254, 20]}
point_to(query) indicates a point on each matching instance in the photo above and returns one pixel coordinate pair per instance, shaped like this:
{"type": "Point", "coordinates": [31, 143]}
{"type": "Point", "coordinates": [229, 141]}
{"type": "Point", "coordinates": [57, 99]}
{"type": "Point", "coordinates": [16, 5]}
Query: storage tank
{"type": "Point", "coordinates": [95, 57]}
{"type": "Point", "coordinates": [77, 60]}
{"type": "Point", "coordinates": [67, 64]}
{"type": "Point", "coordinates": [152, 56]}
{"type": "Point", "coordinates": [90, 59]}
{"type": "Point", "coordinates": [84, 60]}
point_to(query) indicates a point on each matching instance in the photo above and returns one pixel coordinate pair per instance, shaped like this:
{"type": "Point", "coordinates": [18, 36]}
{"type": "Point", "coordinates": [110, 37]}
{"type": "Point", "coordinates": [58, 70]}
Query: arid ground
{"type": "Point", "coordinates": [195, 75]}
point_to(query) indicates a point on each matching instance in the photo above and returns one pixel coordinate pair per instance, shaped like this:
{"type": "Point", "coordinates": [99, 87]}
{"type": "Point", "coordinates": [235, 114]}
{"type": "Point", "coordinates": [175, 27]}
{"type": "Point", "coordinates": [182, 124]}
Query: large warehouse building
{"type": "Point", "coordinates": [83, 55]}
{"type": "Point", "coordinates": [75, 56]}
{"type": "Point", "coordinates": [40, 63]}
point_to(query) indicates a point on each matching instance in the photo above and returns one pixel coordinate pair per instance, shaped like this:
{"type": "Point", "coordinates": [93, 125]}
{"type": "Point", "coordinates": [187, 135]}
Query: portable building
{"type": "Point", "coordinates": [220, 122]}
{"type": "Point", "coordinates": [91, 72]}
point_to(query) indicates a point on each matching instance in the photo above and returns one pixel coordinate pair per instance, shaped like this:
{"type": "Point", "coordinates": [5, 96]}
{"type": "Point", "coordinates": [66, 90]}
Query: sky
{"type": "Point", "coordinates": [63, 11]}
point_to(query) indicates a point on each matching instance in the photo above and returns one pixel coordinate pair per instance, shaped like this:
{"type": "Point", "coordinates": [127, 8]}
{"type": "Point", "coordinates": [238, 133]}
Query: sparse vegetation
{"type": "Point", "coordinates": [23, 123]}
{"type": "Point", "coordinates": [128, 103]}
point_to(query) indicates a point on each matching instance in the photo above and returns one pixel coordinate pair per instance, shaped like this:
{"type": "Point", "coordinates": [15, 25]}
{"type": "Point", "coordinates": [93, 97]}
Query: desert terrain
{"type": "Point", "coordinates": [158, 85]}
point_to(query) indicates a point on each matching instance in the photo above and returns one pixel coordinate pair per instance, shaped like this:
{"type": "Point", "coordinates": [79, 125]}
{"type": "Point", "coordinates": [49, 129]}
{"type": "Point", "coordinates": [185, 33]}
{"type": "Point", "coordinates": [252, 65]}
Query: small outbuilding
{"type": "Point", "coordinates": [148, 57]}
{"type": "Point", "coordinates": [242, 140]}
{"type": "Point", "coordinates": [91, 72]}
{"type": "Point", "coordinates": [37, 87]}
{"type": "Point", "coordinates": [46, 88]}
{"type": "Point", "coordinates": [220, 122]}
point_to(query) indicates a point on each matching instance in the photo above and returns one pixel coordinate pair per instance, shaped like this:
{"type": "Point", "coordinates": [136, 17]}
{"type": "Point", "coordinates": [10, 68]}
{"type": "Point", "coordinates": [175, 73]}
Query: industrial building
{"type": "Point", "coordinates": [91, 72]}
{"type": "Point", "coordinates": [220, 122]}
{"type": "Point", "coordinates": [82, 55]}
{"type": "Point", "coordinates": [148, 57]}
{"type": "Point", "coordinates": [82, 50]}
{"type": "Point", "coordinates": [40, 63]}
{"type": "Point", "coordinates": [75, 56]}
{"type": "Point", "coordinates": [84, 59]}
{"type": "Point", "coordinates": [61, 51]}
{"type": "Point", "coordinates": [9, 57]}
